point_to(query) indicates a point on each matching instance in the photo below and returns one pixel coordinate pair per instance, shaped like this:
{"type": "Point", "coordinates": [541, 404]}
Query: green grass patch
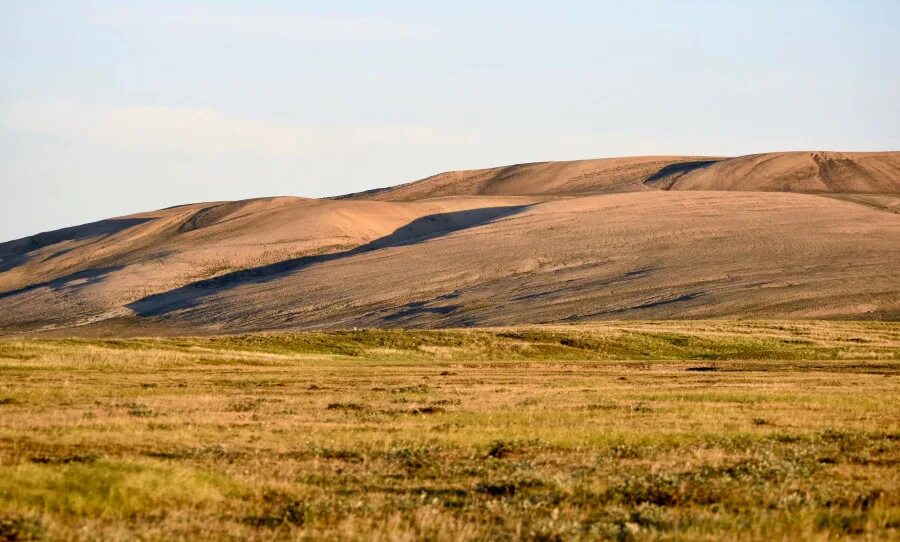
{"type": "Point", "coordinates": [109, 487]}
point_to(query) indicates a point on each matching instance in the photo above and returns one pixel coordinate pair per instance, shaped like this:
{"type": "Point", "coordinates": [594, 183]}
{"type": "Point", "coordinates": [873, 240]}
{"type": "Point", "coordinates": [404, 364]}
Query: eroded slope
{"type": "Point", "coordinates": [816, 172]}
{"type": "Point", "coordinates": [828, 172]}
{"type": "Point", "coordinates": [635, 255]}
{"type": "Point", "coordinates": [91, 272]}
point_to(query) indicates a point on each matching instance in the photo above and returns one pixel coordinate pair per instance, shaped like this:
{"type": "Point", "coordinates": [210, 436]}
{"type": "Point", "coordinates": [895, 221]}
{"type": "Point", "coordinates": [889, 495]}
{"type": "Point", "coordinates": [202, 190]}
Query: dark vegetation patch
{"type": "Point", "coordinates": [707, 484]}
{"type": "Point", "coordinates": [16, 528]}
{"type": "Point", "coordinates": [641, 407]}
{"type": "Point", "coordinates": [496, 489]}
{"type": "Point", "coordinates": [245, 404]}
{"type": "Point", "coordinates": [221, 361]}
{"type": "Point", "coordinates": [49, 459]}
{"type": "Point", "coordinates": [842, 522]}
{"type": "Point", "coordinates": [413, 458]}
{"type": "Point", "coordinates": [633, 407]}
{"type": "Point", "coordinates": [137, 410]}
{"type": "Point", "coordinates": [429, 409]}
{"type": "Point", "coordinates": [602, 406]}
{"type": "Point", "coordinates": [500, 449]}
{"type": "Point", "coordinates": [277, 510]}
{"type": "Point", "coordinates": [350, 456]}
{"type": "Point", "coordinates": [353, 407]}
{"type": "Point", "coordinates": [217, 453]}
{"type": "Point", "coordinates": [416, 388]}
{"type": "Point", "coordinates": [140, 412]}
{"type": "Point", "coordinates": [508, 487]}
{"type": "Point", "coordinates": [251, 385]}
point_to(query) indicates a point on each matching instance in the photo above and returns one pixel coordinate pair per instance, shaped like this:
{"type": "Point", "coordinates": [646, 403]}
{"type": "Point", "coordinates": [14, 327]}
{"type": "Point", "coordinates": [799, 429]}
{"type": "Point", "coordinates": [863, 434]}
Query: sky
{"type": "Point", "coordinates": [114, 107]}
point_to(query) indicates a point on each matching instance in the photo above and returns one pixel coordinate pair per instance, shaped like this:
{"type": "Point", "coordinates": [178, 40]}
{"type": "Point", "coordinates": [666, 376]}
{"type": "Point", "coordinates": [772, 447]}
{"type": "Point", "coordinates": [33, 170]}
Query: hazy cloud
{"type": "Point", "coordinates": [283, 26]}
{"type": "Point", "coordinates": [203, 130]}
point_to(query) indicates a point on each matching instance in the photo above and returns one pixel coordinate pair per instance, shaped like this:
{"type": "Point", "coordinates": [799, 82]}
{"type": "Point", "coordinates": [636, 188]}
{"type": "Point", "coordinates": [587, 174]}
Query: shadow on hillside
{"type": "Point", "coordinates": [15, 253]}
{"type": "Point", "coordinates": [667, 175]}
{"type": "Point", "coordinates": [417, 231]}
{"type": "Point", "coordinates": [72, 282]}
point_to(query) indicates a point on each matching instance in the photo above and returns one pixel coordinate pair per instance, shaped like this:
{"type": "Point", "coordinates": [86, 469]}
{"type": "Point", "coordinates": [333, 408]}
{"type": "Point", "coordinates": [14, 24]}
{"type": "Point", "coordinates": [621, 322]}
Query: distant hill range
{"type": "Point", "coordinates": [778, 235]}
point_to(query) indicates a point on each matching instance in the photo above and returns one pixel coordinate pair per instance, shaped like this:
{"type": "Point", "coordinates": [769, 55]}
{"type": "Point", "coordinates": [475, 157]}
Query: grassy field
{"type": "Point", "coordinates": [623, 431]}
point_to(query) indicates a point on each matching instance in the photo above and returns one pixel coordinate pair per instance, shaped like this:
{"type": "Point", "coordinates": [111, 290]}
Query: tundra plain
{"type": "Point", "coordinates": [647, 348]}
{"type": "Point", "coordinates": [640, 430]}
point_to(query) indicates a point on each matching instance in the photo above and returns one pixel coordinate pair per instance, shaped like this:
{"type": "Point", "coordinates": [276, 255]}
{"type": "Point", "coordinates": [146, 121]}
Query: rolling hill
{"type": "Point", "coordinates": [783, 235]}
{"type": "Point", "coordinates": [813, 172]}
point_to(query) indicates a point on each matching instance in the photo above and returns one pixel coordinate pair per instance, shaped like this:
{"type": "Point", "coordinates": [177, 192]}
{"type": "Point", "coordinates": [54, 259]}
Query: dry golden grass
{"type": "Point", "coordinates": [666, 430]}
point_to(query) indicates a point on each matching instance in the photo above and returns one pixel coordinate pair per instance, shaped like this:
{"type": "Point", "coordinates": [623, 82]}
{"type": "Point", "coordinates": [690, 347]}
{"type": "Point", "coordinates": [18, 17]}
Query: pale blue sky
{"type": "Point", "coordinates": [112, 107]}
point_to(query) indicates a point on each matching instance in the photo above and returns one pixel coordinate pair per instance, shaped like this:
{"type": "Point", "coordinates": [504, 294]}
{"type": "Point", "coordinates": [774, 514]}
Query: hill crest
{"type": "Point", "coordinates": [545, 242]}
{"type": "Point", "coordinates": [800, 171]}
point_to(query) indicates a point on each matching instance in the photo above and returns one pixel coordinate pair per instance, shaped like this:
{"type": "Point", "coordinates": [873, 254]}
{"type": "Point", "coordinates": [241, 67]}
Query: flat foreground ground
{"type": "Point", "coordinates": [703, 430]}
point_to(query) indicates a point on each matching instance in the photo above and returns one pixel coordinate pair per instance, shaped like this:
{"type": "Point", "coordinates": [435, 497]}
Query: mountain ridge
{"type": "Point", "coordinates": [545, 242]}
{"type": "Point", "coordinates": [811, 171]}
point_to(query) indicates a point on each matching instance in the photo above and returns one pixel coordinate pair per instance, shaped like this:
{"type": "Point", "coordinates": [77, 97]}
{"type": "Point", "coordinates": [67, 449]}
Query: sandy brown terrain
{"type": "Point", "coordinates": [91, 272]}
{"type": "Point", "coordinates": [574, 178]}
{"type": "Point", "coordinates": [829, 172]}
{"type": "Point", "coordinates": [658, 237]}
{"type": "Point", "coordinates": [817, 172]}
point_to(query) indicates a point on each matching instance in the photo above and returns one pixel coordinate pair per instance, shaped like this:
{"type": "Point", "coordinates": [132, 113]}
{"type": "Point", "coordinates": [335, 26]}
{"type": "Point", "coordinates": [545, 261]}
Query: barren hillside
{"type": "Point", "coordinates": [834, 172]}
{"type": "Point", "coordinates": [837, 172]}
{"type": "Point", "coordinates": [536, 243]}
